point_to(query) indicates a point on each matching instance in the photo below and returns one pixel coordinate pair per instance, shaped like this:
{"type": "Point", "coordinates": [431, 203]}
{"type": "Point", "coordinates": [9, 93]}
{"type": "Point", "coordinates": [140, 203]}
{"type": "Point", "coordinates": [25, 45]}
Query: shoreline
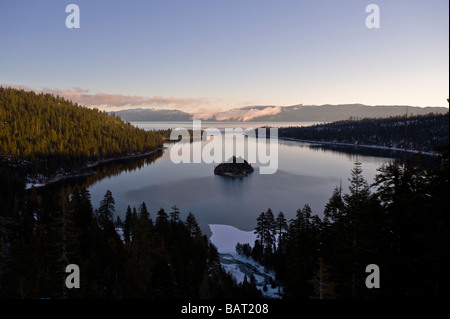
{"type": "Point", "coordinates": [376, 147]}
{"type": "Point", "coordinates": [86, 170]}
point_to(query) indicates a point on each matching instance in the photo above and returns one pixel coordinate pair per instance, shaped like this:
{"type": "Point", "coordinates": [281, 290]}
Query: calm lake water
{"type": "Point", "coordinates": [307, 174]}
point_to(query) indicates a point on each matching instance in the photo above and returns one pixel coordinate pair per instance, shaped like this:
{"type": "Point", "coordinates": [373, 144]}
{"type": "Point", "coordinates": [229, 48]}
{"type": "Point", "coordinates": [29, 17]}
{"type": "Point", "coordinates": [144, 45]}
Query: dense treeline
{"type": "Point", "coordinates": [53, 133]}
{"type": "Point", "coordinates": [400, 223]}
{"type": "Point", "coordinates": [419, 133]}
{"type": "Point", "coordinates": [163, 257]}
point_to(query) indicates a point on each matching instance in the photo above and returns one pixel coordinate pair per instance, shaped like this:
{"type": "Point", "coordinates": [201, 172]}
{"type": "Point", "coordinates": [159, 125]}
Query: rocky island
{"type": "Point", "coordinates": [234, 168]}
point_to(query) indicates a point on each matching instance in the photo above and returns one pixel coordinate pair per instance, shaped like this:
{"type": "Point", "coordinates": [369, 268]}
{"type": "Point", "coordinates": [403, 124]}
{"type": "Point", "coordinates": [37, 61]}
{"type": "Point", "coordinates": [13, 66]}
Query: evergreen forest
{"type": "Point", "coordinates": [44, 135]}
{"type": "Point", "coordinates": [138, 258]}
{"type": "Point", "coordinates": [421, 133]}
{"type": "Point", "coordinates": [400, 222]}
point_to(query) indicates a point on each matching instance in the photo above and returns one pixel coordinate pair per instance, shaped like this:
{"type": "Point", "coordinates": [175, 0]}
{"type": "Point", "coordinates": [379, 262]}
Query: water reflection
{"type": "Point", "coordinates": [353, 152]}
{"type": "Point", "coordinates": [307, 174]}
{"type": "Point", "coordinates": [104, 171]}
{"type": "Point", "coordinates": [304, 176]}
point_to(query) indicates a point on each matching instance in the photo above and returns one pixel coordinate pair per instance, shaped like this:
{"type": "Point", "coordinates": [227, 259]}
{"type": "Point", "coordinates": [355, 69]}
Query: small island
{"type": "Point", "coordinates": [234, 168]}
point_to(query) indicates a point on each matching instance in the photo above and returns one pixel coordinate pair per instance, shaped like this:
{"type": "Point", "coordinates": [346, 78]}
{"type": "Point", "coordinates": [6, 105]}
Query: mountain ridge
{"type": "Point", "coordinates": [293, 113]}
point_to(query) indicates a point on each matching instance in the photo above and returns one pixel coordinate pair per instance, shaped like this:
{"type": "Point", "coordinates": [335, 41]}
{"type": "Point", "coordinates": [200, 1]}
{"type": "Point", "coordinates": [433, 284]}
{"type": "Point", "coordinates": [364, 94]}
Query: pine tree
{"type": "Point", "coordinates": [335, 206]}
{"type": "Point", "coordinates": [261, 226]}
{"type": "Point", "coordinates": [265, 229]}
{"type": "Point", "coordinates": [64, 244]}
{"type": "Point", "coordinates": [161, 218]}
{"type": "Point", "coordinates": [271, 230]}
{"type": "Point", "coordinates": [302, 253]}
{"type": "Point", "coordinates": [280, 226]}
{"type": "Point", "coordinates": [144, 219]}
{"type": "Point", "coordinates": [355, 202]}
{"type": "Point", "coordinates": [128, 227]}
{"type": "Point", "coordinates": [192, 226]}
{"type": "Point", "coordinates": [416, 240]}
{"type": "Point", "coordinates": [354, 235]}
{"type": "Point", "coordinates": [106, 210]}
{"type": "Point", "coordinates": [143, 211]}
{"type": "Point", "coordinates": [257, 251]}
{"type": "Point", "coordinates": [140, 264]}
{"type": "Point", "coordinates": [323, 287]}
{"type": "Point", "coordinates": [175, 214]}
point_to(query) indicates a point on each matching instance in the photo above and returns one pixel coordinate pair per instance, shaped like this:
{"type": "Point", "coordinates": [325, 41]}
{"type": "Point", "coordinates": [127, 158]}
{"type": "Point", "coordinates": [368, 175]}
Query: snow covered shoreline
{"type": "Point", "coordinates": [225, 238]}
{"type": "Point", "coordinates": [386, 148]}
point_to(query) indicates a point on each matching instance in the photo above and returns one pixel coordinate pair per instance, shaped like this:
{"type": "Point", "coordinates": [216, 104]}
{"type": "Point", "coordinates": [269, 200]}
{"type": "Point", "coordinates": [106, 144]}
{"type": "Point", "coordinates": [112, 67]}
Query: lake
{"type": "Point", "coordinates": [307, 174]}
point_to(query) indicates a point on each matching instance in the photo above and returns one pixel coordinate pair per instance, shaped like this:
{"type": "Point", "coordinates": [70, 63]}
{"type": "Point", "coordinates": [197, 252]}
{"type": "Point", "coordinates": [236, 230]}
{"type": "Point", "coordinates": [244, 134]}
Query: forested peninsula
{"type": "Point", "coordinates": [43, 135]}
{"type": "Point", "coordinates": [419, 133]}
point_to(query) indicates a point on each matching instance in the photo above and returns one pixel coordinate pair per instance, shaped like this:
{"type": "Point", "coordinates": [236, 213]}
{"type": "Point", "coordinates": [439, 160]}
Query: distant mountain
{"type": "Point", "coordinates": [322, 113]}
{"type": "Point", "coordinates": [294, 113]}
{"type": "Point", "coordinates": [140, 114]}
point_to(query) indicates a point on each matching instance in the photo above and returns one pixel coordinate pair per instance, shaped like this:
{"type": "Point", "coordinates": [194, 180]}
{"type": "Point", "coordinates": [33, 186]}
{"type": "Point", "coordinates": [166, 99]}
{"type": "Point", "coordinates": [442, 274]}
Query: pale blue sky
{"type": "Point", "coordinates": [217, 54]}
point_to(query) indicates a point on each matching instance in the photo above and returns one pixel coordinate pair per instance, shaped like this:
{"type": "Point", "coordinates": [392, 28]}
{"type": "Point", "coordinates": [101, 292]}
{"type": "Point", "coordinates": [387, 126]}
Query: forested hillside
{"type": "Point", "coordinates": [400, 223]}
{"type": "Point", "coordinates": [420, 133]}
{"type": "Point", "coordinates": [44, 128]}
{"type": "Point", "coordinates": [41, 232]}
{"type": "Point", "coordinates": [160, 255]}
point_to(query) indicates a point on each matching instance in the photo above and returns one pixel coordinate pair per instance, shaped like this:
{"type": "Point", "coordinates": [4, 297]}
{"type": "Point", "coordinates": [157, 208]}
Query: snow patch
{"type": "Point", "coordinates": [31, 185]}
{"type": "Point", "coordinates": [225, 238]}
{"type": "Point", "coordinates": [234, 270]}
{"type": "Point", "coordinates": [119, 231]}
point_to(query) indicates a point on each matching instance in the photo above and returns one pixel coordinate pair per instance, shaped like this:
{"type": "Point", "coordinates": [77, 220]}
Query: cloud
{"type": "Point", "coordinates": [106, 100]}
{"type": "Point", "coordinates": [200, 108]}
{"type": "Point", "coordinates": [244, 115]}
{"type": "Point", "coordinates": [120, 100]}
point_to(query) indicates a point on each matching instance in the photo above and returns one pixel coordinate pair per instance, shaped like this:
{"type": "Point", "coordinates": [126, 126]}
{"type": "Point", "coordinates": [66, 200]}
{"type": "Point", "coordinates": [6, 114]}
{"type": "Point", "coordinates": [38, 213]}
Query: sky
{"type": "Point", "coordinates": [208, 56]}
